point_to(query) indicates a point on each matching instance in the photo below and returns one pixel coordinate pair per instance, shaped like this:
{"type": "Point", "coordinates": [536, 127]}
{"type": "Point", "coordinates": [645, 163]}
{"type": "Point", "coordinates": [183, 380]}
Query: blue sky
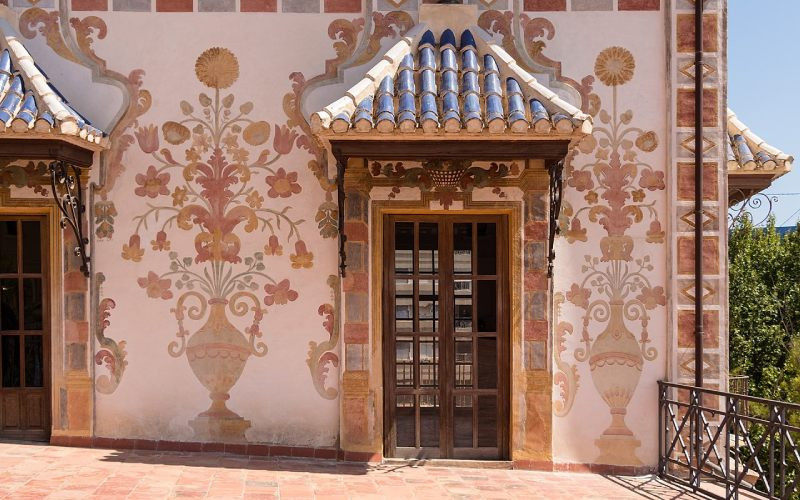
{"type": "Point", "coordinates": [764, 82]}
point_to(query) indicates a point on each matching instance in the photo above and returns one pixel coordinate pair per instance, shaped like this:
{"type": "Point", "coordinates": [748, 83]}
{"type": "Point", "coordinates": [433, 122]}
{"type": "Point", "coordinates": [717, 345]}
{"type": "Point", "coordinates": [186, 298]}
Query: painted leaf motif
{"type": "Point", "coordinates": [186, 108]}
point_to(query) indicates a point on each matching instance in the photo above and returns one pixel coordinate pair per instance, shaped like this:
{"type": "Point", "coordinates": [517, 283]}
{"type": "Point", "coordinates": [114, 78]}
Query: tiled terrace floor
{"type": "Point", "coordinates": [39, 471]}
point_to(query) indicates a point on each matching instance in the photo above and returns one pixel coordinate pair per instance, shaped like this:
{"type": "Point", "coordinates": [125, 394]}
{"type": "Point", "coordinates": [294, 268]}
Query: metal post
{"type": "Point", "coordinates": [340, 198]}
{"type": "Point", "coordinates": [698, 193]}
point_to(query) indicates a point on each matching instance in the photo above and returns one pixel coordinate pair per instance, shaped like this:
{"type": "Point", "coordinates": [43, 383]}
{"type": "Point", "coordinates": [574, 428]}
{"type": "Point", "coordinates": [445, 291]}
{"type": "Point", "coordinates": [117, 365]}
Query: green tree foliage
{"type": "Point", "coordinates": [765, 309]}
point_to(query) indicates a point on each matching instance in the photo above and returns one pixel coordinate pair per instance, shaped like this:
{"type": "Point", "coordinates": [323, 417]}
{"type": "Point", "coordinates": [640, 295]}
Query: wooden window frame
{"type": "Point", "coordinates": [447, 354]}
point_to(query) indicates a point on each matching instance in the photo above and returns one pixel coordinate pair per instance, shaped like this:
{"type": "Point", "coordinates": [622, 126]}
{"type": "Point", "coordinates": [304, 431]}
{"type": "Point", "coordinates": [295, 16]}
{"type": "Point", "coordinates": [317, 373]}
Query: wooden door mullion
{"type": "Point", "coordinates": [446, 323]}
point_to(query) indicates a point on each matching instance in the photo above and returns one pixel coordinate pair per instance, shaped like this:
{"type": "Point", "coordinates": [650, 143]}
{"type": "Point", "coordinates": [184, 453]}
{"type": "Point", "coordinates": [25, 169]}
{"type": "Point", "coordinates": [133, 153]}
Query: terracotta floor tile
{"type": "Point", "coordinates": [36, 471]}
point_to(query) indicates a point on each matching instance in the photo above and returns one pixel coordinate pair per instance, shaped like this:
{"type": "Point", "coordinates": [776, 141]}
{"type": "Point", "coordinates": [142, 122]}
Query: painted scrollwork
{"type": "Point", "coordinates": [110, 353]}
{"type": "Point", "coordinates": [345, 34]}
{"type": "Point", "coordinates": [529, 48]}
{"type": "Point", "coordinates": [137, 103]}
{"type": "Point", "coordinates": [322, 356]}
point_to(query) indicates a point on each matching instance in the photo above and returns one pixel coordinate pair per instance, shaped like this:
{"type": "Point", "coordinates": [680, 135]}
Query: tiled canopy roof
{"type": "Point", "coordinates": [749, 152]}
{"type": "Point", "coordinates": [429, 87]}
{"type": "Point", "coordinates": [29, 103]}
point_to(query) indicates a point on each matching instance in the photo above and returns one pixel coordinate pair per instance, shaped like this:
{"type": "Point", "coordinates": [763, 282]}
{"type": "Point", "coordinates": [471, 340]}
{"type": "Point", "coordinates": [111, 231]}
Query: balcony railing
{"type": "Point", "coordinates": [721, 443]}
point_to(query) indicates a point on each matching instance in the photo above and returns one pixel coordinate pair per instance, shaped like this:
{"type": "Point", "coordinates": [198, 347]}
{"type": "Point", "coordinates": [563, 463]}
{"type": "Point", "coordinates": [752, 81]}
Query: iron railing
{"type": "Point", "coordinates": [708, 442]}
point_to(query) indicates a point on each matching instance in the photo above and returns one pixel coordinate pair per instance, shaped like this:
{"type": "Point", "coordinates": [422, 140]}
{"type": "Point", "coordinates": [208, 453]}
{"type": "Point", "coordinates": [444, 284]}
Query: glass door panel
{"type": "Point", "coordinates": [446, 383]}
{"type": "Point", "coordinates": [24, 333]}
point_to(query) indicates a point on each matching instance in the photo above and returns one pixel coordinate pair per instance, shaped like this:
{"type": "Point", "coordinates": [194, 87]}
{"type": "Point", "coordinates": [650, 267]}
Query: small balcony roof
{"type": "Point", "coordinates": [31, 106]}
{"type": "Point", "coordinates": [752, 163]}
{"type": "Point", "coordinates": [460, 85]}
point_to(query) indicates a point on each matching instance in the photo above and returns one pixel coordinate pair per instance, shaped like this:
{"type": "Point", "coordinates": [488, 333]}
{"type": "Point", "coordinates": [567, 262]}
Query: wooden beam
{"type": "Point", "coordinates": [45, 149]}
{"type": "Point", "coordinates": [449, 149]}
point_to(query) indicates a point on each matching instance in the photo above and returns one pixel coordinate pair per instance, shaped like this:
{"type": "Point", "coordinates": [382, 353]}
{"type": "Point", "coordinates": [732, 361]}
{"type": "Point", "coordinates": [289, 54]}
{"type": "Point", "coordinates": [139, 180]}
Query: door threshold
{"type": "Point", "coordinates": [448, 462]}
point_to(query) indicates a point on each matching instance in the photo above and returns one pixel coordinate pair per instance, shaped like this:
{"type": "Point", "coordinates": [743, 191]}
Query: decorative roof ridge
{"type": "Point", "coordinates": [367, 86]}
{"type": "Point", "coordinates": [748, 151]}
{"type": "Point", "coordinates": [551, 101]}
{"type": "Point", "coordinates": [40, 97]}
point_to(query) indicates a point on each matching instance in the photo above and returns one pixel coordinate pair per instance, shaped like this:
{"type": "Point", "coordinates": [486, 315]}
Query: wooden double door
{"type": "Point", "coordinates": [24, 329]}
{"type": "Point", "coordinates": [445, 331]}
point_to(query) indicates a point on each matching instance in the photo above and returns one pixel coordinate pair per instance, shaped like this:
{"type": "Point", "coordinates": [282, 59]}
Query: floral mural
{"type": "Point", "coordinates": [616, 290]}
{"type": "Point", "coordinates": [217, 179]}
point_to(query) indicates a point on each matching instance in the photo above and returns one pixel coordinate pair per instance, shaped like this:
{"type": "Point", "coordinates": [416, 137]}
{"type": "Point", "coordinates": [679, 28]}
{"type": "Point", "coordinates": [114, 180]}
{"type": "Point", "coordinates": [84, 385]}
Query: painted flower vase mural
{"type": "Point", "coordinates": [225, 185]}
{"type": "Point", "coordinates": [616, 291]}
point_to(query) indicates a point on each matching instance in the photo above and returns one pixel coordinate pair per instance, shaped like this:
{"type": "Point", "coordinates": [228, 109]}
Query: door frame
{"type": "Point", "coordinates": [512, 350]}
{"type": "Point", "coordinates": [54, 280]}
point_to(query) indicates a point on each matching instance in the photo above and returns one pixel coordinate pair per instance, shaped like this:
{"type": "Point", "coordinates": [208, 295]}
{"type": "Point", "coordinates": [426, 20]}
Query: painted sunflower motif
{"type": "Point", "coordinates": [614, 66]}
{"type": "Point", "coordinates": [217, 68]}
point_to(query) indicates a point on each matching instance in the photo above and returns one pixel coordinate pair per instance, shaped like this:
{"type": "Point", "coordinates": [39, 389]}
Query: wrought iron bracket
{"type": "Point", "coordinates": [65, 180]}
{"type": "Point", "coordinates": [555, 169]}
{"type": "Point", "coordinates": [751, 202]}
{"type": "Point", "coordinates": [340, 201]}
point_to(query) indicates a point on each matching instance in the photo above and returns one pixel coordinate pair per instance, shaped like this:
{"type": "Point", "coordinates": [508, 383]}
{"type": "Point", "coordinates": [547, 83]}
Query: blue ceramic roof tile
{"type": "Point", "coordinates": [746, 151]}
{"type": "Point", "coordinates": [442, 87]}
{"type": "Point", "coordinates": [23, 108]}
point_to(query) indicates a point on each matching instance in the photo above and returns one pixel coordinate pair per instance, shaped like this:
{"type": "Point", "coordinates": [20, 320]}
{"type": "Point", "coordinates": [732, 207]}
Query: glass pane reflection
{"type": "Point", "coordinates": [8, 246]}
{"type": "Point", "coordinates": [428, 248]}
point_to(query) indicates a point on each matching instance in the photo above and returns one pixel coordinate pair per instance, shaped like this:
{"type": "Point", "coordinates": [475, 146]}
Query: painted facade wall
{"type": "Point", "coordinates": [215, 205]}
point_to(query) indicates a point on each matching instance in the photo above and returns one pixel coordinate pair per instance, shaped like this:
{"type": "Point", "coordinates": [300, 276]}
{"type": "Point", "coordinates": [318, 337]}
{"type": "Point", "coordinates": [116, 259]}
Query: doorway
{"type": "Point", "coordinates": [445, 335]}
{"type": "Point", "coordinates": [24, 329]}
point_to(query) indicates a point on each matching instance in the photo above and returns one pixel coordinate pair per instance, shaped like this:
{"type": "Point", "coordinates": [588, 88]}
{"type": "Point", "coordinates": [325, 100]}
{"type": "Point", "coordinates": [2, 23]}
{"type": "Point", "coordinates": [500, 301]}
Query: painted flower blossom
{"type": "Point", "coordinates": [256, 134]}
{"type": "Point", "coordinates": [575, 232]}
{"type": "Point", "coordinates": [279, 294]}
{"type": "Point", "coordinates": [273, 247]}
{"type": "Point", "coordinates": [133, 250]}
{"type": "Point", "coordinates": [652, 297]}
{"type": "Point", "coordinates": [175, 133]}
{"type": "Point", "coordinates": [282, 184]}
{"type": "Point", "coordinates": [179, 196]}
{"type": "Point", "coordinates": [151, 183]}
{"type": "Point", "coordinates": [284, 139]}
{"type": "Point", "coordinates": [587, 144]}
{"type": "Point", "coordinates": [591, 197]}
{"type": "Point", "coordinates": [148, 138]}
{"type": "Point", "coordinates": [655, 234]}
{"type": "Point", "coordinates": [614, 66]}
{"type": "Point", "coordinates": [156, 287]}
{"type": "Point", "coordinates": [581, 180]}
{"type": "Point", "coordinates": [161, 242]}
{"type": "Point", "coordinates": [637, 195]}
{"type": "Point", "coordinates": [652, 180]}
{"type": "Point", "coordinates": [302, 258]}
{"type": "Point", "coordinates": [579, 296]}
{"type": "Point", "coordinates": [254, 200]}
{"type": "Point", "coordinates": [647, 142]}
{"type": "Point", "coordinates": [217, 68]}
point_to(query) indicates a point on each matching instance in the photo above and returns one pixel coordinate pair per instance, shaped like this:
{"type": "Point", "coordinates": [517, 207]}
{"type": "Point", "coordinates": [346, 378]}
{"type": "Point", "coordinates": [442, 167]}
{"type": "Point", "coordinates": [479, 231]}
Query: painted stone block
{"type": "Point", "coordinates": [216, 5]}
{"type": "Point", "coordinates": [639, 5]}
{"type": "Point", "coordinates": [686, 108]}
{"type": "Point", "coordinates": [710, 328]}
{"type": "Point", "coordinates": [89, 5]}
{"type": "Point", "coordinates": [686, 255]}
{"type": "Point", "coordinates": [685, 33]}
{"type": "Point", "coordinates": [258, 5]}
{"type": "Point", "coordinates": [300, 5]}
{"type": "Point", "coordinates": [174, 5]}
{"type": "Point", "coordinates": [580, 5]}
{"type": "Point", "coordinates": [545, 5]}
{"type": "Point", "coordinates": [686, 181]}
{"type": "Point", "coordinates": [341, 6]}
{"type": "Point", "coordinates": [132, 5]}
